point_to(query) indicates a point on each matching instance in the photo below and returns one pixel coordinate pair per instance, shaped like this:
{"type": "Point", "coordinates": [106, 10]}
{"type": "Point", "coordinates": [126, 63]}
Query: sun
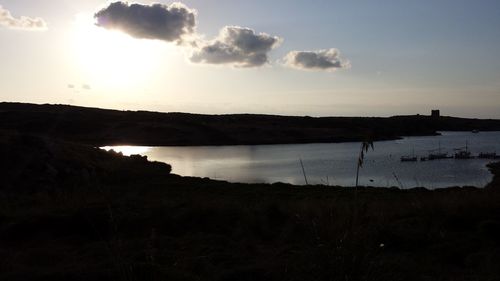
{"type": "Point", "coordinates": [111, 58]}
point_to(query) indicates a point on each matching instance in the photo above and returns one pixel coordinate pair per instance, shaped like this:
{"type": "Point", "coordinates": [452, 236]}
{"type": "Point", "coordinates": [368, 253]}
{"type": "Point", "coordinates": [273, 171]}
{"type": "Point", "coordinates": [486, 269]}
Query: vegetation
{"type": "Point", "coordinates": [365, 145]}
{"type": "Point", "coordinates": [72, 212]}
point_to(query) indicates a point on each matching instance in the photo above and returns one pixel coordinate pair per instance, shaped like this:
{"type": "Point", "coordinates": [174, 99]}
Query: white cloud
{"type": "Point", "coordinates": [236, 46]}
{"type": "Point", "coordinates": [316, 60]}
{"type": "Point", "coordinates": [26, 23]}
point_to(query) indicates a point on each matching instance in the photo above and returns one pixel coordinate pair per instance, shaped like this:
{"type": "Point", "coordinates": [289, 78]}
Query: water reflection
{"type": "Point", "coordinates": [334, 163]}
{"type": "Point", "coordinates": [128, 149]}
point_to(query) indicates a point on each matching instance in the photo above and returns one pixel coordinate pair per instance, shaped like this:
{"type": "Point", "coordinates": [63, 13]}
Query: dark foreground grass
{"type": "Point", "coordinates": [71, 212]}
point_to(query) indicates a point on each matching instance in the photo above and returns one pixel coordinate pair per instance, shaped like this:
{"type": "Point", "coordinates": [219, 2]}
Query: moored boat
{"type": "Point", "coordinates": [409, 159]}
{"type": "Point", "coordinates": [463, 153]}
{"type": "Point", "coordinates": [487, 155]}
{"type": "Point", "coordinates": [436, 156]}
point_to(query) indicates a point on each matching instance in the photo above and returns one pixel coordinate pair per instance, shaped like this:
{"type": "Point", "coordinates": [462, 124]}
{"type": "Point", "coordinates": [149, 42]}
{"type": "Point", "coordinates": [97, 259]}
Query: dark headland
{"type": "Point", "coordinates": [109, 127]}
{"type": "Point", "coordinates": [70, 211]}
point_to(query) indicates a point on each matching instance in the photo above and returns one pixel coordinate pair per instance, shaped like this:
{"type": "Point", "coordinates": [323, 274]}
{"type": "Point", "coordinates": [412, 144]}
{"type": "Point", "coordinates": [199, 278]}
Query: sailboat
{"type": "Point", "coordinates": [438, 155]}
{"type": "Point", "coordinates": [408, 158]}
{"type": "Point", "coordinates": [463, 153]}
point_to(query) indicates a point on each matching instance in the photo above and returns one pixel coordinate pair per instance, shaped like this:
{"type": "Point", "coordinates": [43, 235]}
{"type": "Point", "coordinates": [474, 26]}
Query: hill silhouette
{"type": "Point", "coordinates": [111, 127]}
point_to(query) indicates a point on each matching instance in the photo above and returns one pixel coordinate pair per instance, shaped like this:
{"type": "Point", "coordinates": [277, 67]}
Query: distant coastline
{"type": "Point", "coordinates": [100, 127]}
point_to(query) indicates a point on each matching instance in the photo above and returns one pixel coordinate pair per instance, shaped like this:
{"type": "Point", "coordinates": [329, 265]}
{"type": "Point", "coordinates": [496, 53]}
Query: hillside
{"type": "Point", "coordinates": [73, 212]}
{"type": "Point", "coordinates": [110, 127]}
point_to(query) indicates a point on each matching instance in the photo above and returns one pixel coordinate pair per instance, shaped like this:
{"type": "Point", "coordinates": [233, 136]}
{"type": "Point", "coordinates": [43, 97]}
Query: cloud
{"type": "Point", "coordinates": [237, 46]}
{"type": "Point", "coordinates": [316, 60]}
{"type": "Point", "coordinates": [26, 23]}
{"type": "Point", "coordinates": [156, 21]}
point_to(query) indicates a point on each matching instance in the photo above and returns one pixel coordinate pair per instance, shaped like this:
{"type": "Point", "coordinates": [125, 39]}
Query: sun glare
{"type": "Point", "coordinates": [128, 150]}
{"type": "Point", "coordinates": [112, 58]}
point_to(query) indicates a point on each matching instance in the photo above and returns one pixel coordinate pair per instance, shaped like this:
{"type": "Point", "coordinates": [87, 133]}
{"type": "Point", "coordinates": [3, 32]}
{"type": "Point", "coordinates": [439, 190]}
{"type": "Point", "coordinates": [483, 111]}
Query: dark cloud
{"type": "Point", "coordinates": [236, 46]}
{"type": "Point", "coordinates": [7, 20]}
{"type": "Point", "coordinates": [155, 21]}
{"type": "Point", "coordinates": [316, 60]}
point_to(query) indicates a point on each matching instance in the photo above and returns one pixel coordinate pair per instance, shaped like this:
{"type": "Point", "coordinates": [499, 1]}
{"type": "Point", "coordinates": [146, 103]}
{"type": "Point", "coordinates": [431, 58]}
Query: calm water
{"type": "Point", "coordinates": [334, 164]}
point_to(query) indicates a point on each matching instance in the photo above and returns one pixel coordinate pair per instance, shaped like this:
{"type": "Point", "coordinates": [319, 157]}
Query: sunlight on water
{"type": "Point", "coordinates": [128, 150]}
{"type": "Point", "coordinates": [335, 163]}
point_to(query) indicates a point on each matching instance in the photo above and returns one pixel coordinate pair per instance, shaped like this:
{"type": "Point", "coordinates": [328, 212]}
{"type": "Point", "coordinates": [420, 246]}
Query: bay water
{"type": "Point", "coordinates": [335, 163]}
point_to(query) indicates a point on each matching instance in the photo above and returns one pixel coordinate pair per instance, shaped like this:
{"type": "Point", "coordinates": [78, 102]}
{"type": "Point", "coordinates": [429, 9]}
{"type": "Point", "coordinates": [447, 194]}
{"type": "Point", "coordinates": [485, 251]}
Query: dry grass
{"type": "Point", "coordinates": [131, 220]}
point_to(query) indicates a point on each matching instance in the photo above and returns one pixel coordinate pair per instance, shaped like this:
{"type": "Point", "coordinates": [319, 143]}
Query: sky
{"type": "Point", "coordinates": [287, 57]}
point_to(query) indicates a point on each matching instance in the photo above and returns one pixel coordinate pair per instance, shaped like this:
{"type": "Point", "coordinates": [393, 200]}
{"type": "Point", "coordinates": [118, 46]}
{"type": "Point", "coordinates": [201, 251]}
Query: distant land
{"type": "Point", "coordinates": [96, 126]}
